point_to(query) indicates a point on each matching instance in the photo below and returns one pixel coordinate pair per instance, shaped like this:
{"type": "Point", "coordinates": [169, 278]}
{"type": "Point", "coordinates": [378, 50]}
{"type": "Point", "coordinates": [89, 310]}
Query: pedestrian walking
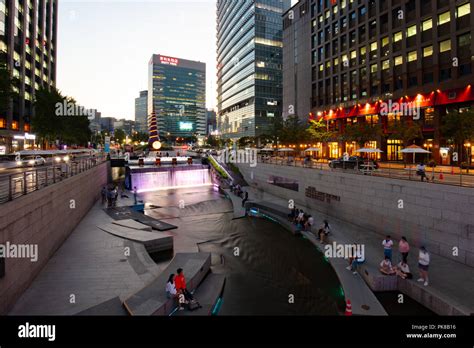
{"type": "Point", "coordinates": [103, 193]}
{"type": "Point", "coordinates": [387, 247]}
{"type": "Point", "coordinates": [423, 265]}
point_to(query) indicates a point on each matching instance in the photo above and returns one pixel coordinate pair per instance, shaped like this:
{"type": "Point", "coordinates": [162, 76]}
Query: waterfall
{"type": "Point", "coordinates": [170, 179]}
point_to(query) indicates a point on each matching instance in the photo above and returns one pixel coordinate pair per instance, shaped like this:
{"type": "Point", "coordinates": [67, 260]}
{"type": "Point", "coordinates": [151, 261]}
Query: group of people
{"type": "Point", "coordinates": [305, 222]}
{"type": "Point", "coordinates": [109, 196]}
{"type": "Point", "coordinates": [237, 190]}
{"type": "Point", "coordinates": [402, 269]}
{"type": "Point", "coordinates": [176, 289]}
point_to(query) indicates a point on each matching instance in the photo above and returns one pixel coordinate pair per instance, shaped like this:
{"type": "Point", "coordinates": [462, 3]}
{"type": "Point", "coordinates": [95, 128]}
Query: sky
{"type": "Point", "coordinates": [104, 47]}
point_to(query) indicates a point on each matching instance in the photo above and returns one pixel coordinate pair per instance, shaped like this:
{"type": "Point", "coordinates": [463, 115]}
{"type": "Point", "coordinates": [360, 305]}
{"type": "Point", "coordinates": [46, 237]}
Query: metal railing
{"type": "Point", "coordinates": [15, 185]}
{"type": "Point", "coordinates": [438, 175]}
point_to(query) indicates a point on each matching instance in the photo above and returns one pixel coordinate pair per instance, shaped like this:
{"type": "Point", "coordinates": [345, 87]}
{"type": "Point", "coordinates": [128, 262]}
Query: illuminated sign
{"type": "Point", "coordinates": [169, 61]}
{"type": "Point", "coordinates": [185, 126]}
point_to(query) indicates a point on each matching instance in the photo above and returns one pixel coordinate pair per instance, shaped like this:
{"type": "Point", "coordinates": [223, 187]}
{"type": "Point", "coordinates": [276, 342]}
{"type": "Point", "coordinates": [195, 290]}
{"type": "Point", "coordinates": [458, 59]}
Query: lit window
{"type": "Point", "coordinates": [321, 67]}
{"type": "Point", "coordinates": [385, 41]}
{"type": "Point", "coordinates": [385, 64]}
{"type": "Point", "coordinates": [445, 46]}
{"type": "Point", "coordinates": [328, 64]}
{"type": "Point", "coordinates": [411, 31]}
{"type": "Point", "coordinates": [353, 54]}
{"type": "Point", "coordinates": [463, 10]}
{"type": "Point", "coordinates": [428, 51]}
{"type": "Point", "coordinates": [363, 51]}
{"type": "Point", "coordinates": [336, 61]}
{"type": "Point", "coordinates": [444, 17]}
{"type": "Point", "coordinates": [373, 68]}
{"type": "Point", "coordinates": [397, 36]}
{"type": "Point", "coordinates": [427, 25]}
{"type": "Point", "coordinates": [398, 60]}
{"type": "Point", "coordinates": [373, 46]}
{"type": "Point", "coordinates": [412, 56]}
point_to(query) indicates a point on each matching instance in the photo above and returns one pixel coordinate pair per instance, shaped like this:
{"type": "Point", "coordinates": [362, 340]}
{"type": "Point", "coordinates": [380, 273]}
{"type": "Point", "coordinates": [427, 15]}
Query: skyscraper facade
{"type": "Point", "coordinates": [28, 37]}
{"type": "Point", "coordinates": [141, 112]}
{"type": "Point", "coordinates": [177, 96]}
{"type": "Point", "coordinates": [249, 63]}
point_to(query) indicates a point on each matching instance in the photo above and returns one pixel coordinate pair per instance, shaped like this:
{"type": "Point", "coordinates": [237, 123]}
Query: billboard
{"type": "Point", "coordinates": [186, 126]}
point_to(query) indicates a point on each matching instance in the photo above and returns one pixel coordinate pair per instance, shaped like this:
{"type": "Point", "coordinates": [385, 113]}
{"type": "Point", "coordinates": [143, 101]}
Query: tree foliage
{"type": "Point", "coordinates": [361, 133]}
{"type": "Point", "coordinates": [49, 127]}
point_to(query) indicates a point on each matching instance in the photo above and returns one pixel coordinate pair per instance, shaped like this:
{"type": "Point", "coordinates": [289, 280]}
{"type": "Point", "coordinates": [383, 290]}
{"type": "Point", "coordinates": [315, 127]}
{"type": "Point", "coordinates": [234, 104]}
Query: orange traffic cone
{"type": "Point", "coordinates": [441, 175]}
{"type": "Point", "coordinates": [348, 308]}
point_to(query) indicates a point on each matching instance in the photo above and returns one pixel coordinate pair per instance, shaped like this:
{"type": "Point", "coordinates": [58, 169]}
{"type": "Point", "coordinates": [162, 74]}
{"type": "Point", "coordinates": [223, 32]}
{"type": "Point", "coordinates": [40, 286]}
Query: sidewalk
{"type": "Point", "coordinates": [450, 282]}
{"type": "Point", "coordinates": [92, 266]}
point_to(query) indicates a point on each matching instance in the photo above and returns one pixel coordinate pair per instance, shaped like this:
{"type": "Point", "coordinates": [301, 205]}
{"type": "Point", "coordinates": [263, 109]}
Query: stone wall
{"type": "Point", "coordinates": [437, 216]}
{"type": "Point", "coordinates": [44, 218]}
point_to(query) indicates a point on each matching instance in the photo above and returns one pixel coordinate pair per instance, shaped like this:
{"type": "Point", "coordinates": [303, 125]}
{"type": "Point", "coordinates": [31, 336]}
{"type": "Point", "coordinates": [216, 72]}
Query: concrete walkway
{"type": "Point", "coordinates": [239, 211]}
{"type": "Point", "coordinates": [89, 268]}
{"type": "Point", "coordinates": [451, 283]}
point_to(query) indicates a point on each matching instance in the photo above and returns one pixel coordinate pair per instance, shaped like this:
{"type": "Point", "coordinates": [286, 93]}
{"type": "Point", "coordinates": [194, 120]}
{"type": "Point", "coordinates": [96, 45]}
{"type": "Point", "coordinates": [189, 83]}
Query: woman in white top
{"type": "Point", "coordinates": [423, 265]}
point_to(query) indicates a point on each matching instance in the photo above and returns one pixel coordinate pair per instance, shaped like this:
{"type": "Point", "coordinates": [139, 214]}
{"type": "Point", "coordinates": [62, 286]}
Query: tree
{"type": "Point", "coordinates": [214, 141]}
{"type": "Point", "coordinates": [246, 141]}
{"type": "Point", "coordinates": [458, 127]}
{"type": "Point", "coordinates": [140, 136]}
{"type": "Point", "coordinates": [50, 126]}
{"type": "Point", "coordinates": [318, 131]}
{"type": "Point", "coordinates": [293, 131]}
{"type": "Point", "coordinates": [119, 136]}
{"type": "Point", "coordinates": [406, 131]}
{"type": "Point", "coordinates": [362, 133]}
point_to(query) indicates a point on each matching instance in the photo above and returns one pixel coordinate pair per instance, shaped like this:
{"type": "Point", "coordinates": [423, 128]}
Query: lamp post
{"type": "Point", "coordinates": [468, 153]}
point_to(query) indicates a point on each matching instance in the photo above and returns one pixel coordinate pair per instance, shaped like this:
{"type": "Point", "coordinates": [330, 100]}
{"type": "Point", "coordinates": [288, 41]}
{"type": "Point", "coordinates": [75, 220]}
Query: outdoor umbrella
{"type": "Point", "coordinates": [313, 149]}
{"type": "Point", "coordinates": [367, 150]}
{"type": "Point", "coordinates": [414, 149]}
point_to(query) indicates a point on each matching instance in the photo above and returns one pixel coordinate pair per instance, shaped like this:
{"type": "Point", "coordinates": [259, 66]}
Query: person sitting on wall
{"type": "Point", "coordinates": [403, 271]}
{"type": "Point", "coordinates": [386, 267]}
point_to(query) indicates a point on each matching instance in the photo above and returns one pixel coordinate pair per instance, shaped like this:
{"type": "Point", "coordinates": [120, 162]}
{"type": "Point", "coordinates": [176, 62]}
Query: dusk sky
{"type": "Point", "coordinates": [104, 47]}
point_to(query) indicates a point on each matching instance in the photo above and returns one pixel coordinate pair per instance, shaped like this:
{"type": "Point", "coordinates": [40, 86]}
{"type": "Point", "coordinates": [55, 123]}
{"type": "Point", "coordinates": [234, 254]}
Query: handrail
{"type": "Point", "coordinates": [13, 186]}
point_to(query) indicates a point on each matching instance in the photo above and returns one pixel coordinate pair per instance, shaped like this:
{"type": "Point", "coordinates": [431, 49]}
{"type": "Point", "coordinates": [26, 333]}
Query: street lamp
{"type": "Point", "coordinates": [468, 152]}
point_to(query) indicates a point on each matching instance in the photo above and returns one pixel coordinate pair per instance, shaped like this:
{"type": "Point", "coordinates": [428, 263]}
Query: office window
{"type": "Point", "coordinates": [385, 41]}
{"type": "Point", "coordinates": [463, 10]}
{"type": "Point", "coordinates": [412, 56]}
{"type": "Point", "coordinates": [363, 51]}
{"type": "Point", "coordinates": [398, 60]}
{"type": "Point", "coordinates": [428, 51]}
{"type": "Point", "coordinates": [321, 67]}
{"type": "Point", "coordinates": [464, 40]}
{"type": "Point", "coordinates": [373, 46]}
{"type": "Point", "coordinates": [373, 68]}
{"type": "Point", "coordinates": [397, 36]}
{"type": "Point", "coordinates": [353, 54]}
{"type": "Point", "coordinates": [385, 64]}
{"type": "Point", "coordinates": [411, 31]}
{"type": "Point", "coordinates": [444, 17]}
{"type": "Point", "coordinates": [427, 25]}
{"type": "Point", "coordinates": [445, 46]}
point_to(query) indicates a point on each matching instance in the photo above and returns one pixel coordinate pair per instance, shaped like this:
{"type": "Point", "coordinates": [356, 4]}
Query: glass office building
{"type": "Point", "coordinates": [249, 63]}
{"type": "Point", "coordinates": [28, 37]}
{"type": "Point", "coordinates": [177, 96]}
{"type": "Point", "coordinates": [141, 112]}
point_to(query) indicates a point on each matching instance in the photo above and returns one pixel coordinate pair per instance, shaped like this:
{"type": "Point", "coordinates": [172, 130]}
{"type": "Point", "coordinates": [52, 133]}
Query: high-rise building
{"type": "Point", "coordinates": [28, 46]}
{"type": "Point", "coordinates": [177, 96]}
{"type": "Point", "coordinates": [297, 61]}
{"type": "Point", "coordinates": [211, 122]}
{"type": "Point", "coordinates": [371, 59]}
{"type": "Point", "coordinates": [249, 63]}
{"type": "Point", "coordinates": [141, 112]}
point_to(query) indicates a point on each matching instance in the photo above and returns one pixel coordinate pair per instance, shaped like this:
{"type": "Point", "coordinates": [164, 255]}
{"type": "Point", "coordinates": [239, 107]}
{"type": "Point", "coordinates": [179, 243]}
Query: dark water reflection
{"type": "Point", "coordinates": [271, 264]}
